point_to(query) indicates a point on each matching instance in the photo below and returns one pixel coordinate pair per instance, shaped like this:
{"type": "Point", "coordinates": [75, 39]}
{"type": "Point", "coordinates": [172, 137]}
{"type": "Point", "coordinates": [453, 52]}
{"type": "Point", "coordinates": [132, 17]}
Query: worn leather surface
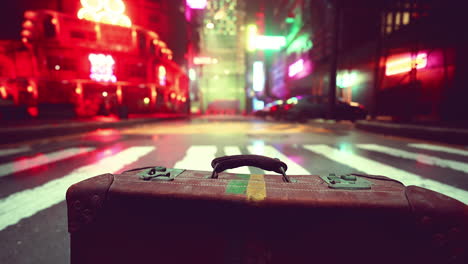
{"type": "Point", "coordinates": [256, 219]}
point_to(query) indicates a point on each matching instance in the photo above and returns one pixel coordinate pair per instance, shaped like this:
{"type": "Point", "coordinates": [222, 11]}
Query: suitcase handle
{"type": "Point", "coordinates": [230, 162]}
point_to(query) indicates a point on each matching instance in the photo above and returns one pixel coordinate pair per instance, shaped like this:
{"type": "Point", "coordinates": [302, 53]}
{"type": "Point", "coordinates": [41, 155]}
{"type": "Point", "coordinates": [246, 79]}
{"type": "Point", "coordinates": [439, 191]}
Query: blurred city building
{"type": "Point", "coordinates": [93, 57]}
{"type": "Point", "coordinates": [403, 59]}
{"type": "Point", "coordinates": [166, 17]}
{"type": "Point", "coordinates": [220, 64]}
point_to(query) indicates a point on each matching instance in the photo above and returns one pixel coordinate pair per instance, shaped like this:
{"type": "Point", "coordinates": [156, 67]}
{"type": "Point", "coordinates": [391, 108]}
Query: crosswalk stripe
{"type": "Point", "coordinates": [41, 159]}
{"type": "Point", "coordinates": [440, 148]}
{"type": "Point", "coordinates": [234, 150]}
{"type": "Point", "coordinates": [26, 203]}
{"type": "Point", "coordinates": [270, 151]}
{"type": "Point", "coordinates": [197, 158]}
{"type": "Point", "coordinates": [11, 151]}
{"type": "Point", "coordinates": [421, 158]}
{"type": "Point", "coordinates": [372, 167]}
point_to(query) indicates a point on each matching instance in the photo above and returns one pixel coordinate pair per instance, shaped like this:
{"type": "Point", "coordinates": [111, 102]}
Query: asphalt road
{"type": "Point", "coordinates": [35, 175]}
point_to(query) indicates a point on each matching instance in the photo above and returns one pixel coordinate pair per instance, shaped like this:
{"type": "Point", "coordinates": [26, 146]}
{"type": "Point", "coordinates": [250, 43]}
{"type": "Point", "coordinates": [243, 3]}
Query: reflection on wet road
{"type": "Point", "coordinates": [34, 176]}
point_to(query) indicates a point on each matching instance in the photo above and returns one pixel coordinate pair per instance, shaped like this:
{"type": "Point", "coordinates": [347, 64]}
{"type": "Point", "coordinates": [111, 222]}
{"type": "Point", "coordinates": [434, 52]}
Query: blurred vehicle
{"type": "Point", "coordinates": [273, 110]}
{"type": "Point", "coordinates": [87, 68]}
{"type": "Point", "coordinates": [301, 108]}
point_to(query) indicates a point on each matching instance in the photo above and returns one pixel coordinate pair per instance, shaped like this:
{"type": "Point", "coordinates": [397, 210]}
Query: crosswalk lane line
{"type": "Point", "coordinates": [270, 151]}
{"type": "Point", "coordinates": [440, 148]}
{"type": "Point", "coordinates": [39, 160]}
{"type": "Point", "coordinates": [421, 158]}
{"type": "Point", "coordinates": [372, 167]}
{"type": "Point", "coordinates": [197, 158]}
{"type": "Point", "coordinates": [234, 150]}
{"type": "Point", "coordinates": [11, 151]}
{"type": "Point", "coordinates": [27, 203]}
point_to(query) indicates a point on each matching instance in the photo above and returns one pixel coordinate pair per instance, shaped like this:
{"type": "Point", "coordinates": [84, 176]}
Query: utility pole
{"type": "Point", "coordinates": [377, 63]}
{"type": "Point", "coordinates": [334, 61]}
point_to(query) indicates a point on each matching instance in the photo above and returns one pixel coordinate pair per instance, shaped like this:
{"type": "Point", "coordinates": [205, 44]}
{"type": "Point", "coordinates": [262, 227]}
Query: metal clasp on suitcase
{"type": "Point", "coordinates": [159, 173]}
{"type": "Point", "coordinates": [346, 182]}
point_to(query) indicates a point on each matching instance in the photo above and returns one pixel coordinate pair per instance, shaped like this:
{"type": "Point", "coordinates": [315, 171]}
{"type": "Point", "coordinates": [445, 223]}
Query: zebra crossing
{"type": "Point", "coordinates": [28, 202]}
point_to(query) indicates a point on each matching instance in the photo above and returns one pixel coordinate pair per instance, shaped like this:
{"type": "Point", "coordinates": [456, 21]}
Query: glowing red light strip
{"type": "Point", "coordinates": [405, 64]}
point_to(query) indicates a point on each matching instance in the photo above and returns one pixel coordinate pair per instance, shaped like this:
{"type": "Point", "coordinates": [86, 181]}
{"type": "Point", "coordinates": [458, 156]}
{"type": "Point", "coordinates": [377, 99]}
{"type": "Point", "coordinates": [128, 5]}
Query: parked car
{"type": "Point", "coordinates": [273, 109]}
{"type": "Point", "coordinates": [301, 108]}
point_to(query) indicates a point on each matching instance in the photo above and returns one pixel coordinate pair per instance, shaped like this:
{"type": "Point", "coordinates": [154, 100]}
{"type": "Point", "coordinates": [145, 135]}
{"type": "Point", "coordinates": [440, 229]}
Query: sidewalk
{"type": "Point", "coordinates": [12, 132]}
{"type": "Point", "coordinates": [447, 133]}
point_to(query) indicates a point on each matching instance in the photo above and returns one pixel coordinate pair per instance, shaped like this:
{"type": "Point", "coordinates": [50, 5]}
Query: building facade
{"type": "Point", "coordinates": [400, 58]}
{"type": "Point", "coordinates": [222, 82]}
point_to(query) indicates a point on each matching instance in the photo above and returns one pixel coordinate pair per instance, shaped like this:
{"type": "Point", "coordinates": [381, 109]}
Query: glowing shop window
{"type": "Point", "coordinates": [102, 68]}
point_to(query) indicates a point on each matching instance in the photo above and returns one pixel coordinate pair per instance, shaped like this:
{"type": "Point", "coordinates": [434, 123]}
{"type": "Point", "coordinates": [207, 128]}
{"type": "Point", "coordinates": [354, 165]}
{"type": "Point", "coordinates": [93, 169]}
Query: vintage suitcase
{"type": "Point", "coordinates": [162, 215]}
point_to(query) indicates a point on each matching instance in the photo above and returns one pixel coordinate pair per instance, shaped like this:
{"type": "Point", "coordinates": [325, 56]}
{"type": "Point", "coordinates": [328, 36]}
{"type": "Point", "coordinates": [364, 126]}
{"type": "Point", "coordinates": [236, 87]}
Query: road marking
{"type": "Point", "coordinates": [270, 151]}
{"type": "Point", "coordinates": [26, 203]}
{"type": "Point", "coordinates": [40, 159]}
{"type": "Point", "coordinates": [440, 148]}
{"type": "Point", "coordinates": [234, 150]}
{"type": "Point", "coordinates": [256, 189]}
{"type": "Point", "coordinates": [421, 158]}
{"type": "Point", "coordinates": [11, 151]}
{"type": "Point", "coordinates": [197, 158]}
{"type": "Point", "coordinates": [372, 167]}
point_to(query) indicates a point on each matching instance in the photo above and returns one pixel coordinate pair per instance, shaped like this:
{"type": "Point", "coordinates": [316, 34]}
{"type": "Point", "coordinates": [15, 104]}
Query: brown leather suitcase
{"type": "Point", "coordinates": [160, 215]}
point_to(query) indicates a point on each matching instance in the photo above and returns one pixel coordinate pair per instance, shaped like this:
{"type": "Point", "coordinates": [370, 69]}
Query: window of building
{"type": "Point", "coordinates": [61, 64]}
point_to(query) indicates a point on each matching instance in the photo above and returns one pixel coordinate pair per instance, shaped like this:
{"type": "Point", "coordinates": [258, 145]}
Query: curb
{"type": "Point", "coordinates": [17, 134]}
{"type": "Point", "coordinates": [441, 134]}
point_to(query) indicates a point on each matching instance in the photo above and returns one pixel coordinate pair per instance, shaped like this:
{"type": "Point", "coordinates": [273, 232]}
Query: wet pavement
{"type": "Point", "coordinates": [34, 175]}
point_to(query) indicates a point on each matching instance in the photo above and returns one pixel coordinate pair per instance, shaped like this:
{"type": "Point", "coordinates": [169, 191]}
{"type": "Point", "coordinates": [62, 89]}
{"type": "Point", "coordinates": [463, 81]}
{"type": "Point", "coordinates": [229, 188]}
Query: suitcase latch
{"type": "Point", "coordinates": [346, 182]}
{"type": "Point", "coordinates": [159, 173]}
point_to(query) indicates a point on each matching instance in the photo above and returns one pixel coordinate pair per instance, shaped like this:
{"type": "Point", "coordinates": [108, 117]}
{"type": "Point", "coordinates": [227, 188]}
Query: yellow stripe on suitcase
{"type": "Point", "coordinates": [256, 189]}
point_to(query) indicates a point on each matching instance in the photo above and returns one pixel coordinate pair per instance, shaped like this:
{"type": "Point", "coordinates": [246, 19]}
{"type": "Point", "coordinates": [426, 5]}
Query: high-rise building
{"type": "Point", "coordinates": [222, 39]}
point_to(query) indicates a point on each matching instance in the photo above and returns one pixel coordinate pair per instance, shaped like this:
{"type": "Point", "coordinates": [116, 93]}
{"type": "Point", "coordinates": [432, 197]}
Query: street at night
{"type": "Point", "coordinates": [35, 175]}
{"type": "Point", "coordinates": [233, 131]}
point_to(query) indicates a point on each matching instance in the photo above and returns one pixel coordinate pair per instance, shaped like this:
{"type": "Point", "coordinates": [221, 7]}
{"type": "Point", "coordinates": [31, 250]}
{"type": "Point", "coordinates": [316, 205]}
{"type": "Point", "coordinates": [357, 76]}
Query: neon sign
{"type": "Point", "coordinates": [162, 75]}
{"type": "Point", "coordinates": [346, 79]}
{"type": "Point", "coordinates": [104, 11]}
{"type": "Point", "coordinates": [251, 35]}
{"type": "Point", "coordinates": [405, 64]}
{"type": "Point", "coordinates": [102, 68]}
{"type": "Point", "coordinates": [296, 68]}
{"type": "Point", "coordinates": [258, 76]}
{"type": "Point", "coordinates": [197, 4]}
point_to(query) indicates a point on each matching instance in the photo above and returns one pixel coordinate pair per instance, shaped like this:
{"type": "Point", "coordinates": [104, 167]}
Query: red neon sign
{"type": "Point", "coordinates": [162, 75]}
{"type": "Point", "coordinates": [102, 68]}
{"type": "Point", "coordinates": [405, 64]}
{"type": "Point", "coordinates": [104, 11]}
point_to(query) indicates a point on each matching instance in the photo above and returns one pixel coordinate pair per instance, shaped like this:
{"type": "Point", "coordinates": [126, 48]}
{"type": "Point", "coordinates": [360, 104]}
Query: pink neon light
{"type": "Point", "coordinates": [296, 68]}
{"type": "Point", "coordinates": [102, 68]}
{"type": "Point", "coordinates": [197, 4]}
{"type": "Point", "coordinates": [162, 75]}
{"type": "Point", "coordinates": [405, 64]}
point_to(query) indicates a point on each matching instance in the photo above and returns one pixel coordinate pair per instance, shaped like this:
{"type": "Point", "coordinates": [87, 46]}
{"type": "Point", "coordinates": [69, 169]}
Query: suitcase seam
{"type": "Point", "coordinates": [276, 188]}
